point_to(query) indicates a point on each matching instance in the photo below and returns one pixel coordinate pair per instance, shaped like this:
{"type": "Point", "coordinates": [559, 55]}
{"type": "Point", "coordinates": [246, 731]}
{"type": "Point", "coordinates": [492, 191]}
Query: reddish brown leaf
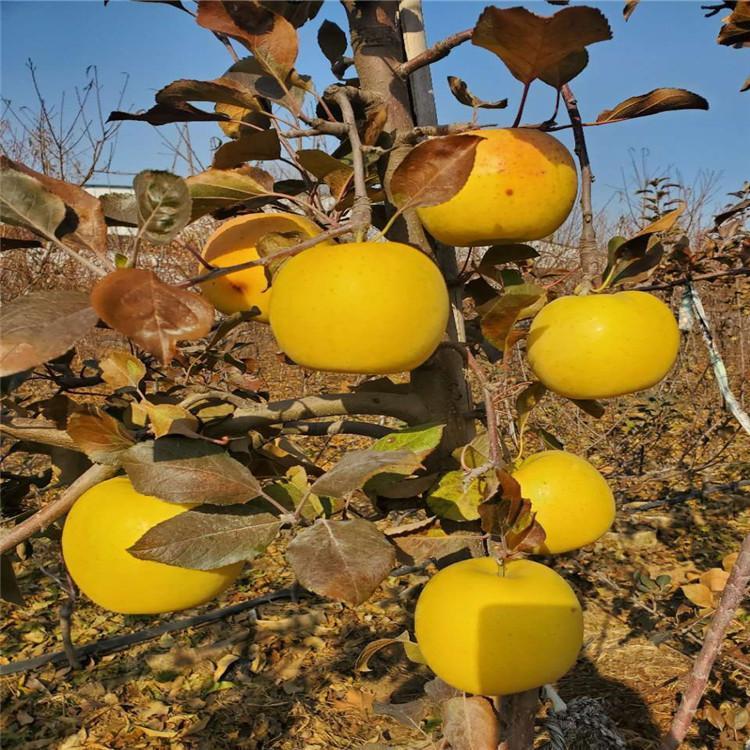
{"type": "Point", "coordinates": [499, 315]}
{"type": "Point", "coordinates": [434, 171]}
{"type": "Point", "coordinates": [652, 103]}
{"type": "Point", "coordinates": [42, 326]}
{"type": "Point", "coordinates": [269, 36]}
{"type": "Point", "coordinates": [101, 437]}
{"type": "Point", "coordinates": [154, 314]}
{"type": "Point", "coordinates": [460, 89]}
{"type": "Point", "coordinates": [630, 6]}
{"type": "Point", "coordinates": [530, 45]}
{"type": "Point", "coordinates": [83, 225]}
{"type": "Point", "coordinates": [736, 29]}
{"type": "Point", "coordinates": [344, 560]}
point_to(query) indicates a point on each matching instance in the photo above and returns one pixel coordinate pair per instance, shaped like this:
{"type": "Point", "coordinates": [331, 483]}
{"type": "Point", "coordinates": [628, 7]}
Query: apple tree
{"type": "Point", "coordinates": [439, 480]}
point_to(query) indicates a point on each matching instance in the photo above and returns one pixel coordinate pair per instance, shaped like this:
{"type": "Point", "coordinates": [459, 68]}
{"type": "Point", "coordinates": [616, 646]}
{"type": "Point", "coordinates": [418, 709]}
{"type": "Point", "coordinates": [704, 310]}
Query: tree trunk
{"type": "Point", "coordinates": [378, 45]}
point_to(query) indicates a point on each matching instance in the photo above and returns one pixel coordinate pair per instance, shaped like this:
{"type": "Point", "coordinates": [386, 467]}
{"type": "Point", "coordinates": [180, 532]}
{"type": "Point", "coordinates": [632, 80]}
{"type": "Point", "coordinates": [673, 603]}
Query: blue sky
{"type": "Point", "coordinates": [663, 44]}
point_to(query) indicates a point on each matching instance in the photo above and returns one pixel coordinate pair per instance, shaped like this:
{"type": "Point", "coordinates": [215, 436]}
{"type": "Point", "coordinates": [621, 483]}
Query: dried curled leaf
{"type": "Point", "coordinates": [41, 326]}
{"type": "Point", "coordinates": [652, 103]}
{"type": "Point", "coordinates": [736, 29]}
{"type": "Point", "coordinates": [460, 89]}
{"type": "Point", "coordinates": [500, 315]}
{"type": "Point", "coordinates": [153, 314]}
{"type": "Point", "coordinates": [343, 560]}
{"type": "Point", "coordinates": [411, 650]}
{"type": "Point", "coordinates": [167, 113]}
{"type": "Point", "coordinates": [532, 45]}
{"type": "Point", "coordinates": [434, 171]}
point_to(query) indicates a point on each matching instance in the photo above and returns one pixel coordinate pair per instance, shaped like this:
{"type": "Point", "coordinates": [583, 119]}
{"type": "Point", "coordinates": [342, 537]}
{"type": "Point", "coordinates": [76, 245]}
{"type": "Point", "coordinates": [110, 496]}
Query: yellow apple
{"type": "Point", "coordinates": [235, 242]}
{"type": "Point", "coordinates": [494, 631]}
{"type": "Point", "coordinates": [522, 187]}
{"type": "Point", "coordinates": [572, 500]}
{"type": "Point", "coordinates": [103, 523]}
{"type": "Point", "coordinates": [603, 345]}
{"type": "Point", "coordinates": [360, 307]}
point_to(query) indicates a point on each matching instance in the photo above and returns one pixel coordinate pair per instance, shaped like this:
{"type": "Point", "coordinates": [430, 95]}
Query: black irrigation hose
{"type": "Point", "coordinates": [108, 645]}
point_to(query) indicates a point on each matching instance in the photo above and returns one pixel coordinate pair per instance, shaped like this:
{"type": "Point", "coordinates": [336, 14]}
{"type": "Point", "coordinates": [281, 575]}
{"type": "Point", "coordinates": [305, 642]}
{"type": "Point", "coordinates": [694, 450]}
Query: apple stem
{"type": "Point", "coordinates": [522, 104]}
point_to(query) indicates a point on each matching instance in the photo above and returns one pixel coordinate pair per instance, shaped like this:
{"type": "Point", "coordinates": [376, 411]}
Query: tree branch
{"type": "Point", "coordinates": [734, 591]}
{"type": "Point", "coordinates": [489, 407]}
{"type": "Point", "coordinates": [38, 431]}
{"type": "Point", "coordinates": [406, 407]}
{"type": "Point", "coordinates": [587, 247]}
{"type": "Point", "coordinates": [685, 281]}
{"type": "Point", "coordinates": [339, 427]}
{"type": "Point", "coordinates": [437, 52]}
{"type": "Point", "coordinates": [285, 253]}
{"type": "Point", "coordinates": [57, 508]}
{"type": "Point", "coordinates": [361, 208]}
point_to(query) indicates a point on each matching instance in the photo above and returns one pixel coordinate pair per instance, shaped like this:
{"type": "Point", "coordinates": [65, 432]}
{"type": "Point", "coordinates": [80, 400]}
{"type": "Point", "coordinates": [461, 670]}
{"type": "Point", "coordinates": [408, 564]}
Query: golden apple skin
{"type": "Point", "coordinates": [522, 187]}
{"type": "Point", "coordinates": [103, 523]}
{"type": "Point", "coordinates": [361, 307]}
{"type": "Point", "coordinates": [605, 345]}
{"type": "Point", "coordinates": [235, 242]}
{"type": "Point", "coordinates": [572, 500]}
{"type": "Point", "coordinates": [491, 633]}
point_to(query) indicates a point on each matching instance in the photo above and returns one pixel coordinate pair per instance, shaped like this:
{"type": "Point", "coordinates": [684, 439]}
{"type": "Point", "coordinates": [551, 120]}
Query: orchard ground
{"type": "Point", "coordinates": [289, 681]}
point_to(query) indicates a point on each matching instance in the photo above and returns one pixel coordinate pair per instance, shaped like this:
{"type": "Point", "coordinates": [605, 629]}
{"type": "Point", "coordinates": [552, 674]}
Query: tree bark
{"type": "Point", "coordinates": [378, 44]}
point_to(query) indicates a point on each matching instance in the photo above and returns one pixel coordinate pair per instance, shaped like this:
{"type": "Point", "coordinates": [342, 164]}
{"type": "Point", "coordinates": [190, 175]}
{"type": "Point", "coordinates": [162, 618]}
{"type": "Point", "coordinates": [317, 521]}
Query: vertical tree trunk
{"type": "Point", "coordinates": [377, 41]}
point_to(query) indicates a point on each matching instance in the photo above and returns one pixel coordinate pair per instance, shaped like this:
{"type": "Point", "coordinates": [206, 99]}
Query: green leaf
{"type": "Point", "coordinates": [25, 203]}
{"type": "Point", "coordinates": [456, 499]}
{"type": "Point", "coordinates": [421, 440]}
{"type": "Point", "coordinates": [164, 205]}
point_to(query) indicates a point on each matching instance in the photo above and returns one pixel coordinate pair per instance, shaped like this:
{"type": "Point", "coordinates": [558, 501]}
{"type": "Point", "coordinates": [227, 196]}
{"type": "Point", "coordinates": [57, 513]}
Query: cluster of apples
{"type": "Point", "coordinates": [382, 307]}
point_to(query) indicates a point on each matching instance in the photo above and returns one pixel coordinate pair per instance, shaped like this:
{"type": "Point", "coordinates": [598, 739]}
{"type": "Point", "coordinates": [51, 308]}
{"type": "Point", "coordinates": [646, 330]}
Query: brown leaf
{"type": "Point", "coordinates": [122, 370]}
{"type": "Point", "coordinates": [437, 544]}
{"type": "Point", "coordinates": [168, 113]}
{"type": "Point", "coordinates": [83, 225]}
{"type": "Point", "coordinates": [335, 173]}
{"type": "Point", "coordinates": [715, 579]}
{"type": "Point", "coordinates": [500, 315]}
{"type": "Point", "coordinates": [269, 36]}
{"type": "Point", "coordinates": [412, 650]}
{"type": "Point", "coordinates": [9, 589]}
{"type": "Point", "coordinates": [208, 538]}
{"type": "Point", "coordinates": [460, 89]}
{"type": "Point", "coordinates": [153, 314]}
{"type": "Point", "coordinates": [699, 594]}
{"type": "Point", "coordinates": [630, 6]}
{"type": "Point", "coordinates": [728, 561]}
{"type": "Point", "coordinates": [652, 103]}
{"type": "Point", "coordinates": [530, 45]}
{"type": "Point", "coordinates": [356, 467]}
{"type": "Point", "coordinates": [566, 70]}
{"type": "Point", "coordinates": [223, 90]}
{"type": "Point", "coordinates": [41, 326]}
{"type": "Point", "coordinates": [250, 146]}
{"type": "Point", "coordinates": [736, 29]}
{"type": "Point", "coordinates": [180, 470]}
{"type": "Point", "coordinates": [100, 436]}
{"type": "Point", "coordinates": [343, 560]}
{"type": "Point", "coordinates": [469, 723]}
{"type": "Point", "coordinates": [170, 419]}
{"type": "Point", "coordinates": [434, 171]}
{"type": "Point", "coordinates": [213, 189]}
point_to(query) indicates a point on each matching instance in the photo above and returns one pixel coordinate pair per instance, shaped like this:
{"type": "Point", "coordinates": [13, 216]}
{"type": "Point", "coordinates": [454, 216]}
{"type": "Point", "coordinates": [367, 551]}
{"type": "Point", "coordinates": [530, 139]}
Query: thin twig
{"type": "Point", "coordinates": [587, 247]}
{"type": "Point", "coordinates": [57, 508]}
{"type": "Point", "coordinates": [285, 253]}
{"type": "Point", "coordinates": [522, 105]}
{"type": "Point", "coordinates": [489, 405]}
{"type": "Point", "coordinates": [703, 277]}
{"type": "Point", "coordinates": [361, 209]}
{"type": "Point", "coordinates": [437, 52]}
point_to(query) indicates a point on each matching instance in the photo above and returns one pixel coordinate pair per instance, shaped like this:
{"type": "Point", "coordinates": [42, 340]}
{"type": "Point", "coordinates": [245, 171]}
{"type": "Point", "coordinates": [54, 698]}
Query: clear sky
{"type": "Point", "coordinates": [663, 44]}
